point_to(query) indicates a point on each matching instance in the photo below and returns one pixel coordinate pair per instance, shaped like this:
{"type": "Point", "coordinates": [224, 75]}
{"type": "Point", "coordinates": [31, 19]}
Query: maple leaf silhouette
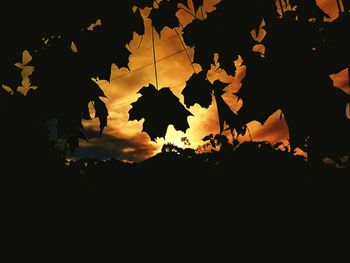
{"type": "Point", "coordinates": [159, 108]}
{"type": "Point", "coordinates": [164, 16]}
{"type": "Point", "coordinates": [198, 90]}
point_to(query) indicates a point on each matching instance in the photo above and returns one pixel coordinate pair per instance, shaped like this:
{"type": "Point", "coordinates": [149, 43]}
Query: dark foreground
{"type": "Point", "coordinates": [179, 193]}
{"type": "Point", "coordinates": [255, 171]}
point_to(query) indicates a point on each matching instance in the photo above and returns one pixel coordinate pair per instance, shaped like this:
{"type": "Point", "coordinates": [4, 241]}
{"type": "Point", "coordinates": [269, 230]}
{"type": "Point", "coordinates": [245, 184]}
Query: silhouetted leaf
{"type": "Point", "coordinates": [96, 92]}
{"type": "Point", "coordinates": [101, 113]}
{"type": "Point", "coordinates": [122, 59]}
{"type": "Point", "coordinates": [159, 108]}
{"type": "Point", "coordinates": [139, 27]}
{"type": "Point", "coordinates": [226, 115]}
{"type": "Point", "coordinates": [221, 139]}
{"type": "Point", "coordinates": [309, 9]}
{"type": "Point", "coordinates": [204, 57]}
{"type": "Point", "coordinates": [197, 4]}
{"type": "Point", "coordinates": [86, 113]}
{"type": "Point", "coordinates": [277, 145]}
{"type": "Point", "coordinates": [7, 89]}
{"type": "Point", "coordinates": [193, 33]}
{"type": "Point", "coordinates": [143, 3]}
{"type": "Point", "coordinates": [208, 137]}
{"type": "Point", "coordinates": [227, 63]}
{"type": "Point", "coordinates": [198, 90]}
{"type": "Point", "coordinates": [212, 143]}
{"type": "Point", "coordinates": [164, 15]}
{"type": "Point", "coordinates": [73, 47]}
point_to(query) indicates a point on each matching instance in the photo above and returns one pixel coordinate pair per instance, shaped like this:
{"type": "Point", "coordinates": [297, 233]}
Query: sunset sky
{"type": "Point", "coordinates": [123, 139]}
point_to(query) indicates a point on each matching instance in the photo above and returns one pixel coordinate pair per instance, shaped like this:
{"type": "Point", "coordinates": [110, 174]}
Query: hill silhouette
{"type": "Point", "coordinates": [255, 167]}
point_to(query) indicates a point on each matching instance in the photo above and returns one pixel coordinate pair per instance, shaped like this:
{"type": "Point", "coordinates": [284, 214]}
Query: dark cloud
{"type": "Point", "coordinates": [136, 148]}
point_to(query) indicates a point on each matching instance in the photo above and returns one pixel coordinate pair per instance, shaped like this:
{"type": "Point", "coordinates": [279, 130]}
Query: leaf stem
{"type": "Point", "coordinates": [188, 55]}
{"type": "Point", "coordinates": [188, 12]}
{"type": "Point", "coordinates": [250, 135]}
{"type": "Point", "coordinates": [154, 58]}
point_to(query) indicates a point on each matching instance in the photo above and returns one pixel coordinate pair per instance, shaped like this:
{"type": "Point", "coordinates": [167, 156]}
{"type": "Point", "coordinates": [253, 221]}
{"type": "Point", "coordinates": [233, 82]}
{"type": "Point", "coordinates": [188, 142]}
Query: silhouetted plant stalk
{"type": "Point", "coordinates": [154, 58]}
{"type": "Point", "coordinates": [187, 54]}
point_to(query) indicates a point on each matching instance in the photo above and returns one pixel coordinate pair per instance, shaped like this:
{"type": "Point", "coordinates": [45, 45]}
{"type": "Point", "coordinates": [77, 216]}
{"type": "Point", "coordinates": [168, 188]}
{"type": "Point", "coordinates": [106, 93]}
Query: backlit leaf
{"type": "Point", "coordinates": [27, 71]}
{"type": "Point", "coordinates": [73, 47]}
{"type": "Point", "coordinates": [7, 89]}
{"type": "Point", "coordinates": [26, 57]}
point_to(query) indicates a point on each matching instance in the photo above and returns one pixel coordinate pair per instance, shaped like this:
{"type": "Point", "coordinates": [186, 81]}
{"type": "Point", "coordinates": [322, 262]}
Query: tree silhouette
{"type": "Point", "coordinates": [68, 45]}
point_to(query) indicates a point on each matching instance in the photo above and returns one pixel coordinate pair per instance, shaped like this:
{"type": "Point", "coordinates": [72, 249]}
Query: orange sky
{"type": "Point", "coordinates": [124, 140]}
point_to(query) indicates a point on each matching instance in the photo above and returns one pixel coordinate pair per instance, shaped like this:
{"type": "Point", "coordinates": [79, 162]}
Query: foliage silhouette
{"type": "Point", "coordinates": [148, 107]}
{"type": "Point", "coordinates": [275, 79]}
{"type": "Point", "coordinates": [198, 90]}
{"type": "Point", "coordinates": [164, 15]}
{"type": "Point", "coordinates": [291, 75]}
{"type": "Point", "coordinates": [67, 53]}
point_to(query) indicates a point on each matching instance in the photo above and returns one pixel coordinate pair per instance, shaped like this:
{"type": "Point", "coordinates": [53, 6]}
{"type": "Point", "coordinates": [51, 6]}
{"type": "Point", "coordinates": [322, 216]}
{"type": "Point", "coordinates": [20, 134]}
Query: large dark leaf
{"type": "Point", "coordinates": [164, 16]}
{"type": "Point", "coordinates": [159, 108]}
{"type": "Point", "coordinates": [226, 61]}
{"type": "Point", "coordinates": [204, 57]}
{"type": "Point", "coordinates": [198, 90]}
{"type": "Point", "coordinates": [193, 33]}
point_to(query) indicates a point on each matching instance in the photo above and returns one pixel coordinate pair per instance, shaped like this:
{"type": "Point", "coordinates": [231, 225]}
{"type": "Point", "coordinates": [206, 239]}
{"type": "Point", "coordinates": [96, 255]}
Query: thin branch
{"type": "Point", "coordinates": [138, 46]}
{"type": "Point", "coordinates": [339, 7]}
{"type": "Point", "coordinates": [154, 1]}
{"type": "Point", "coordinates": [202, 12]}
{"type": "Point", "coordinates": [250, 135]}
{"type": "Point", "coordinates": [281, 4]}
{"type": "Point", "coordinates": [188, 55]}
{"type": "Point", "coordinates": [154, 58]}
{"type": "Point", "coordinates": [188, 12]}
